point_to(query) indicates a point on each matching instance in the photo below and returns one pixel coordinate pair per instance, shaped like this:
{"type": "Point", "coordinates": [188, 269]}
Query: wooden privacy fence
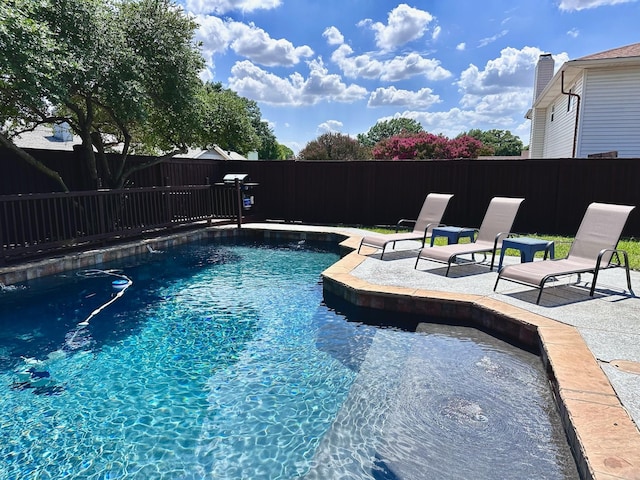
{"type": "Point", "coordinates": [34, 224]}
{"type": "Point", "coordinates": [556, 191]}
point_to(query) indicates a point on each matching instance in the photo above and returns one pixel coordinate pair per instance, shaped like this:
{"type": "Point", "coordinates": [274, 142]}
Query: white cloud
{"type": "Point", "coordinates": [250, 81]}
{"type": "Point", "coordinates": [574, 32]}
{"type": "Point", "coordinates": [256, 44]}
{"type": "Point", "coordinates": [214, 35]}
{"type": "Point", "coordinates": [217, 36]}
{"type": "Point", "coordinates": [354, 67]}
{"type": "Point", "coordinates": [423, 98]}
{"type": "Point", "coordinates": [398, 68]}
{"type": "Point", "coordinates": [333, 36]}
{"type": "Point", "coordinates": [411, 65]}
{"type": "Point", "coordinates": [486, 41]}
{"type": "Point", "coordinates": [436, 32]}
{"type": "Point", "coordinates": [513, 69]}
{"type": "Point", "coordinates": [404, 24]}
{"type": "Point", "coordinates": [496, 96]}
{"type": "Point", "coordinates": [577, 5]}
{"type": "Point", "coordinates": [219, 7]}
{"type": "Point", "coordinates": [461, 46]}
{"type": "Point", "coordinates": [330, 126]}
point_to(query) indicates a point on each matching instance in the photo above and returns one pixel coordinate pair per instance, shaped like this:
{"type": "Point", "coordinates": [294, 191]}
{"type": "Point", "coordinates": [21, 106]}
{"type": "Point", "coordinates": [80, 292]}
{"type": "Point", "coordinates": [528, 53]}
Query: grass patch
{"type": "Point", "coordinates": [562, 245]}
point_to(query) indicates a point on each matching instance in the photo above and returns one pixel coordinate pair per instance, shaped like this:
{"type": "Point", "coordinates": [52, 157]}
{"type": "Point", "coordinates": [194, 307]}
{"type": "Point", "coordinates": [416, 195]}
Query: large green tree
{"type": "Point", "coordinates": [497, 142]}
{"type": "Point", "coordinates": [284, 152]}
{"type": "Point", "coordinates": [122, 73]}
{"type": "Point", "coordinates": [334, 146]}
{"type": "Point", "coordinates": [228, 120]}
{"type": "Point", "coordinates": [389, 128]}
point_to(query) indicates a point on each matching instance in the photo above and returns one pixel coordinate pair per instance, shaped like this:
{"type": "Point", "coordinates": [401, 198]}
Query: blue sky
{"type": "Point", "coordinates": [317, 66]}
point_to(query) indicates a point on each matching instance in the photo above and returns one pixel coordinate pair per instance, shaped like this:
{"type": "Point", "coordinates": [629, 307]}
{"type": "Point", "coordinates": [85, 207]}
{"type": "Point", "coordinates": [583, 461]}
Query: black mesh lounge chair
{"type": "Point", "coordinates": [430, 216]}
{"type": "Point", "coordinates": [592, 250]}
{"type": "Point", "coordinates": [495, 226]}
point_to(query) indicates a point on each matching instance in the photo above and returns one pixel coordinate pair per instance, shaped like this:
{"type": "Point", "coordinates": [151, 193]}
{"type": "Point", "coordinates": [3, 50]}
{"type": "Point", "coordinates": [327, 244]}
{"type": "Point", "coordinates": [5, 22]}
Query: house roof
{"type": "Point", "coordinates": [627, 51]}
{"type": "Point", "coordinates": [214, 153]}
{"type": "Point", "coordinates": [43, 137]}
{"type": "Point", "coordinates": [628, 55]}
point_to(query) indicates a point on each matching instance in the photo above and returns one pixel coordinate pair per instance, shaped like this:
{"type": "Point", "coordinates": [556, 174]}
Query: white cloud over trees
{"type": "Point", "coordinates": [404, 24]}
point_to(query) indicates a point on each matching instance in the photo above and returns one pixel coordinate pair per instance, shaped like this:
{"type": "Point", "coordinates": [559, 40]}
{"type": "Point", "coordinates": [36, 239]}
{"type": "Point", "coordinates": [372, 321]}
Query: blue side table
{"type": "Point", "coordinates": [453, 234]}
{"type": "Point", "coordinates": [527, 247]}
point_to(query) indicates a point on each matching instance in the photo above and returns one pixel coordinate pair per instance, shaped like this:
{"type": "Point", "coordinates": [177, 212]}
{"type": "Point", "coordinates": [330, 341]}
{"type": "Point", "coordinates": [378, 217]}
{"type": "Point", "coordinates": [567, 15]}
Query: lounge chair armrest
{"type": "Point", "coordinates": [547, 249]}
{"type": "Point", "coordinates": [406, 223]}
{"type": "Point", "coordinates": [615, 252]}
{"type": "Point", "coordinates": [428, 229]}
{"type": "Point", "coordinates": [499, 237]}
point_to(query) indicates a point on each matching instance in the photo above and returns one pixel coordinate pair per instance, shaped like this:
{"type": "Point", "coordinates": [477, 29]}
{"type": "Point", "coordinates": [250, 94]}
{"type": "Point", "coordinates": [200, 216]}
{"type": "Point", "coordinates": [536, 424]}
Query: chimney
{"type": "Point", "coordinates": [544, 74]}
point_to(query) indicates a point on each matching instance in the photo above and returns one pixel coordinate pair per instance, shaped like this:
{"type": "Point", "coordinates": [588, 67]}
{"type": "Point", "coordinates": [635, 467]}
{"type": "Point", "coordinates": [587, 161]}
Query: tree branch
{"type": "Point", "coordinates": [26, 157]}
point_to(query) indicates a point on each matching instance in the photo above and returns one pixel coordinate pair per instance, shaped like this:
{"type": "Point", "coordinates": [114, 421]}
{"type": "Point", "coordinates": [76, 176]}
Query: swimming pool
{"type": "Point", "coordinates": [221, 361]}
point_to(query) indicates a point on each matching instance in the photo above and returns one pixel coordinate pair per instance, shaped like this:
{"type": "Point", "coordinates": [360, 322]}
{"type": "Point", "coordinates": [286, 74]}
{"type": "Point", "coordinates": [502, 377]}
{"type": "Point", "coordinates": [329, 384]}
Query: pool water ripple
{"type": "Point", "coordinates": [221, 361]}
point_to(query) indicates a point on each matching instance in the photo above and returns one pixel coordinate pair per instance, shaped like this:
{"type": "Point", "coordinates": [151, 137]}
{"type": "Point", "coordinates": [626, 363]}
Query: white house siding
{"type": "Point", "coordinates": [560, 132]}
{"type": "Point", "coordinates": [536, 142]}
{"type": "Point", "coordinates": [611, 115]}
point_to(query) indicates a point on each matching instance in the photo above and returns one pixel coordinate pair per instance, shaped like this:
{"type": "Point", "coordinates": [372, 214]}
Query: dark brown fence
{"type": "Point", "coordinates": [556, 191]}
{"type": "Point", "coordinates": [34, 224]}
{"type": "Point", "coordinates": [19, 177]}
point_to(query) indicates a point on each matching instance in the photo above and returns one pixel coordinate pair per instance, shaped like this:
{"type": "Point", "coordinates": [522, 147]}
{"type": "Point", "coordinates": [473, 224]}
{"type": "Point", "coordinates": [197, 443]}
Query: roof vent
{"type": "Point", "coordinates": [62, 132]}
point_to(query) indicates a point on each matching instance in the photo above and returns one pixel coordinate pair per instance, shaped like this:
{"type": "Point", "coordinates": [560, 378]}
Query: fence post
{"type": "Point", "coordinates": [239, 202]}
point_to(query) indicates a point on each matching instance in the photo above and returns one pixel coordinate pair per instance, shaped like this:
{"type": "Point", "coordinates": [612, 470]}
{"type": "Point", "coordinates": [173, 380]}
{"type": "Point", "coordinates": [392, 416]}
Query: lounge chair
{"type": "Point", "coordinates": [430, 216]}
{"type": "Point", "coordinates": [495, 226]}
{"type": "Point", "coordinates": [593, 249]}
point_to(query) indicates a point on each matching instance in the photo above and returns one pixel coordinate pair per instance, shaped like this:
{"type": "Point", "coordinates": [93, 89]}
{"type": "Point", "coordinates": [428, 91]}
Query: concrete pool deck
{"type": "Point", "coordinates": [590, 346]}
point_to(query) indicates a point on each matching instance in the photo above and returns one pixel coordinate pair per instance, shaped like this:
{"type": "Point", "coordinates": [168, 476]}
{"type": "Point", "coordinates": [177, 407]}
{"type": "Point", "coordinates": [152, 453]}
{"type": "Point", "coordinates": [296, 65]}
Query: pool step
{"type": "Point", "coordinates": [355, 443]}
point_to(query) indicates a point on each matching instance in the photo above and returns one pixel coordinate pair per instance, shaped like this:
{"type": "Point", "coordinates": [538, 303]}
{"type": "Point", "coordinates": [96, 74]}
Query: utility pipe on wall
{"type": "Point", "coordinates": [575, 128]}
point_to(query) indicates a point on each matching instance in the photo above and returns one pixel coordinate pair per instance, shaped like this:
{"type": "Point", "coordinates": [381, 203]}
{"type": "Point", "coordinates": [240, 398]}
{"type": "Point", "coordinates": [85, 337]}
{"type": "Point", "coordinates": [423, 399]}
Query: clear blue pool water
{"type": "Point", "coordinates": [222, 361]}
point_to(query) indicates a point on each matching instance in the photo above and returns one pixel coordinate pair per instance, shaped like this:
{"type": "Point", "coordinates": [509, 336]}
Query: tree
{"type": "Point", "coordinates": [425, 145]}
{"type": "Point", "coordinates": [334, 146]}
{"type": "Point", "coordinates": [389, 128]}
{"type": "Point", "coordinates": [498, 142]}
{"type": "Point", "coordinates": [284, 152]}
{"type": "Point", "coordinates": [122, 73]}
{"type": "Point", "coordinates": [228, 120]}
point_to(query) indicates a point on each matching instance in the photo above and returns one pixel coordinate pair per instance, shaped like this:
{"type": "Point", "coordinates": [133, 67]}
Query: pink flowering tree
{"type": "Point", "coordinates": [425, 145]}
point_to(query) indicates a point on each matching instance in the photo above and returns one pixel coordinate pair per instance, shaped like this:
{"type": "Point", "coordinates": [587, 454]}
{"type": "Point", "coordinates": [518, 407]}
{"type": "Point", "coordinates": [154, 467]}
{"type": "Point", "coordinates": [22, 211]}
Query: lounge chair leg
{"type": "Point", "coordinates": [448, 267]}
{"type": "Point", "coordinates": [415, 267]}
{"type": "Point", "coordinates": [626, 266]}
{"type": "Point", "coordinates": [539, 295]}
{"type": "Point", "coordinates": [382, 254]}
{"type": "Point", "coordinates": [592, 290]}
{"type": "Point", "coordinates": [360, 246]}
{"type": "Point", "coordinates": [496, 285]}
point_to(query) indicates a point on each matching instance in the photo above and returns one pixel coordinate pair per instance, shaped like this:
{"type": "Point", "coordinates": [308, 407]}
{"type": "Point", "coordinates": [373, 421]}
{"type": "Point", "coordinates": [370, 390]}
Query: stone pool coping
{"type": "Point", "coordinates": [604, 439]}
